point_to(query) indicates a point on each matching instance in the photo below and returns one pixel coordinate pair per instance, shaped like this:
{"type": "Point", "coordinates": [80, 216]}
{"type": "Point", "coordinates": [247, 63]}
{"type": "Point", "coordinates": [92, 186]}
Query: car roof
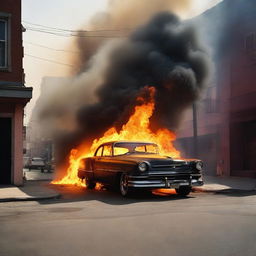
{"type": "Point", "coordinates": [124, 141]}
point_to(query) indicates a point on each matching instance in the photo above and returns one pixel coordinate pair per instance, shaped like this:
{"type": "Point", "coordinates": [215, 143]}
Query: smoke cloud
{"type": "Point", "coordinates": [121, 18]}
{"type": "Point", "coordinates": [164, 54]}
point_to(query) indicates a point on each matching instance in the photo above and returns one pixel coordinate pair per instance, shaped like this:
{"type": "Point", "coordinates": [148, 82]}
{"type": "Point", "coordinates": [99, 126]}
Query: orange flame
{"type": "Point", "coordinates": [136, 129]}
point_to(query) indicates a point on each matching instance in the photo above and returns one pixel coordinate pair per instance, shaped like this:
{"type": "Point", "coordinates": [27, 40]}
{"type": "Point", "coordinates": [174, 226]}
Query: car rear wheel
{"type": "Point", "coordinates": [89, 183]}
{"type": "Point", "coordinates": [183, 190]}
{"type": "Point", "coordinates": [123, 185]}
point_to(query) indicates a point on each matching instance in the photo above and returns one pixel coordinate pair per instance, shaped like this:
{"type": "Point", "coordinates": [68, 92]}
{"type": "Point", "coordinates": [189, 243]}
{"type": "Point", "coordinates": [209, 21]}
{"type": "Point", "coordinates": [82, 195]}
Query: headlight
{"type": "Point", "coordinates": [143, 166]}
{"type": "Point", "coordinates": [199, 166]}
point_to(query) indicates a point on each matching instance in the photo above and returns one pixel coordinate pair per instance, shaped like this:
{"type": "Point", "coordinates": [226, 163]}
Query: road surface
{"type": "Point", "coordinates": [96, 223]}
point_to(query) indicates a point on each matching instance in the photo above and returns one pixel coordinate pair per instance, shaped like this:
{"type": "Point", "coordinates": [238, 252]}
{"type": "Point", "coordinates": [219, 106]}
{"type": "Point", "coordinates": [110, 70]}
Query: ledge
{"type": "Point", "coordinates": [12, 91]}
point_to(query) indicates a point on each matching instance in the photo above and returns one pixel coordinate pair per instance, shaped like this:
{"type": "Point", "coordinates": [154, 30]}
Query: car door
{"type": "Point", "coordinates": [97, 166]}
{"type": "Point", "coordinates": [102, 163]}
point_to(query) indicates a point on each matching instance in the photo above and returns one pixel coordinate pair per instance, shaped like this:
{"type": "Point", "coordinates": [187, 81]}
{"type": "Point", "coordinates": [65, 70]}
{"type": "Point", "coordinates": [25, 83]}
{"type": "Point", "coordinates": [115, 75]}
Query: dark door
{"type": "Point", "coordinates": [102, 164]}
{"type": "Point", "coordinates": [5, 150]}
{"type": "Point", "coordinates": [250, 146]}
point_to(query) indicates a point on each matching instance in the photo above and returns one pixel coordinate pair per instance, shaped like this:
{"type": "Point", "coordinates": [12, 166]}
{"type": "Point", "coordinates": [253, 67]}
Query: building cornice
{"type": "Point", "coordinates": [14, 91]}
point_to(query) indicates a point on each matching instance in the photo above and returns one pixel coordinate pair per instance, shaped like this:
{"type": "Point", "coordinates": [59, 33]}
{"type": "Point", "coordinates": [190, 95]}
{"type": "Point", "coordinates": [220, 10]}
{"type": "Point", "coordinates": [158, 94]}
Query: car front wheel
{"type": "Point", "coordinates": [89, 183]}
{"type": "Point", "coordinates": [183, 190]}
{"type": "Point", "coordinates": [123, 185]}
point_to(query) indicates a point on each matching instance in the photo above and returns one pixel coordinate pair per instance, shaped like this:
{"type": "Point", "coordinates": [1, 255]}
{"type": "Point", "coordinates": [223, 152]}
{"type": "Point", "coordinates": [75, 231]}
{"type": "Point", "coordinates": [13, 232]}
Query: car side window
{"type": "Point", "coordinates": [107, 150]}
{"type": "Point", "coordinates": [151, 149]}
{"type": "Point", "coordinates": [140, 149]}
{"type": "Point", "coordinates": [99, 151]}
{"type": "Point", "coordinates": [118, 151]}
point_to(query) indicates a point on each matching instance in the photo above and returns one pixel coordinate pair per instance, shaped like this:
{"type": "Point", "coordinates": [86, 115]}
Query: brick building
{"type": "Point", "coordinates": [13, 94]}
{"type": "Point", "coordinates": [227, 112]}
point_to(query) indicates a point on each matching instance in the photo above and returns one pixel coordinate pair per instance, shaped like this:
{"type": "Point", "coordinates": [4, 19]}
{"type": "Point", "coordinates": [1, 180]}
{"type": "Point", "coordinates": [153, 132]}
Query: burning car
{"type": "Point", "coordinates": [138, 165]}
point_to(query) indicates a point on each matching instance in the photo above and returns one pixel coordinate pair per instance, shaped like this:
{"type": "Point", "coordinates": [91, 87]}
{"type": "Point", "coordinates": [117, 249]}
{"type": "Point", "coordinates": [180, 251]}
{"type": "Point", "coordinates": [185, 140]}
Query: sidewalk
{"type": "Point", "coordinates": [34, 188]}
{"type": "Point", "coordinates": [216, 184]}
{"type": "Point", "coordinates": [37, 175]}
{"type": "Point", "coordinates": [31, 191]}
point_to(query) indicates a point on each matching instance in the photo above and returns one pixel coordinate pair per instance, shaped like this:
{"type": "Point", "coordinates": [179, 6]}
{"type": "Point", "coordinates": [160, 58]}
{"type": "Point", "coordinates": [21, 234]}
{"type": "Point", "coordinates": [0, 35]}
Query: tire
{"type": "Point", "coordinates": [183, 190]}
{"type": "Point", "coordinates": [89, 183]}
{"type": "Point", "coordinates": [123, 185]}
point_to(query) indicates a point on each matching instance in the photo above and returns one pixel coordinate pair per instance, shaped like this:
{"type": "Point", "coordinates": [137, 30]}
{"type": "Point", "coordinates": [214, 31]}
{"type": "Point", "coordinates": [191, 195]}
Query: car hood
{"type": "Point", "coordinates": [154, 159]}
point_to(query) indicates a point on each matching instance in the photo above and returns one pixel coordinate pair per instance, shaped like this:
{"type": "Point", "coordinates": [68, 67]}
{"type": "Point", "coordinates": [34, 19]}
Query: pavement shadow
{"type": "Point", "coordinates": [75, 194]}
{"type": "Point", "coordinates": [36, 189]}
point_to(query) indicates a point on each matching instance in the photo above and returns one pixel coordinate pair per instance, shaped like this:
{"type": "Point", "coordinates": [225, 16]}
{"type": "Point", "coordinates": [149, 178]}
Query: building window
{"type": "Point", "coordinates": [250, 42]}
{"type": "Point", "coordinates": [3, 44]}
{"type": "Point", "coordinates": [211, 104]}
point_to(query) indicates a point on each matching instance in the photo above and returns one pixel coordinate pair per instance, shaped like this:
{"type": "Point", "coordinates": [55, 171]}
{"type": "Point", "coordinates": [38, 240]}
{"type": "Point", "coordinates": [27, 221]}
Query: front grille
{"type": "Point", "coordinates": [168, 164]}
{"type": "Point", "coordinates": [171, 168]}
{"type": "Point", "coordinates": [161, 162]}
{"type": "Point", "coordinates": [170, 176]}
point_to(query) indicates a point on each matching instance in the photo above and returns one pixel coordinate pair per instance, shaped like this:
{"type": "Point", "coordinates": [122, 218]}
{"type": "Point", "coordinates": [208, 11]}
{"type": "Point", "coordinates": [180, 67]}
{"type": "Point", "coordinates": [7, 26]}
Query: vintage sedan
{"type": "Point", "coordinates": [130, 165]}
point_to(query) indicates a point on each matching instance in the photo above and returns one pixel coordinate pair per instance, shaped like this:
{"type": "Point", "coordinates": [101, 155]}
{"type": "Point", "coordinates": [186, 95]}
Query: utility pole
{"type": "Point", "coordinates": [195, 144]}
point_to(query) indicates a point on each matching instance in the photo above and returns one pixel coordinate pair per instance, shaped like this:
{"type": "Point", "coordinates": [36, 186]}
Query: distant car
{"type": "Point", "coordinates": [25, 161]}
{"type": "Point", "coordinates": [50, 165]}
{"type": "Point", "coordinates": [37, 163]}
{"type": "Point", "coordinates": [138, 165]}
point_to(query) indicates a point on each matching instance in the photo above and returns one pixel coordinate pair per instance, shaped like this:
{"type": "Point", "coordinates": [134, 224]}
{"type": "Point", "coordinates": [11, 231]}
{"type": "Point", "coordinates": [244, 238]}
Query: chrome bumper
{"type": "Point", "coordinates": [162, 183]}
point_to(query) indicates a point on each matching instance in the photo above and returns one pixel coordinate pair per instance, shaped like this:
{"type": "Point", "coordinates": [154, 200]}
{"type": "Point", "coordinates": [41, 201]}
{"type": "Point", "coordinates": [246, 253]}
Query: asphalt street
{"type": "Point", "coordinates": [96, 223]}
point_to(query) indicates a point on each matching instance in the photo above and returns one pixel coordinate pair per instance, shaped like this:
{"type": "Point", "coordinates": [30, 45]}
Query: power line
{"type": "Point", "coordinates": [54, 49]}
{"type": "Point", "coordinates": [70, 34]}
{"type": "Point", "coordinates": [80, 31]}
{"type": "Point", "coordinates": [52, 61]}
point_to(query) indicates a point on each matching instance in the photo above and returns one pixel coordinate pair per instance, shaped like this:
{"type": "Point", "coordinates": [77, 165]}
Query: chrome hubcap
{"type": "Point", "coordinates": [124, 184]}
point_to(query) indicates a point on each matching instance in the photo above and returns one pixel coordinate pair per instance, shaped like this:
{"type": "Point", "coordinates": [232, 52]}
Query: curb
{"type": "Point", "coordinates": [199, 189]}
{"type": "Point", "coordinates": [38, 198]}
{"type": "Point", "coordinates": [205, 190]}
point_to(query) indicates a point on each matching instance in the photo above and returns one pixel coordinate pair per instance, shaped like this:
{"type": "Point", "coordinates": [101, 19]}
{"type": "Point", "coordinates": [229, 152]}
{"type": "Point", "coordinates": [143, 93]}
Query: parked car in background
{"type": "Point", "coordinates": [50, 165]}
{"type": "Point", "coordinates": [138, 165]}
{"type": "Point", "coordinates": [25, 161]}
{"type": "Point", "coordinates": [37, 163]}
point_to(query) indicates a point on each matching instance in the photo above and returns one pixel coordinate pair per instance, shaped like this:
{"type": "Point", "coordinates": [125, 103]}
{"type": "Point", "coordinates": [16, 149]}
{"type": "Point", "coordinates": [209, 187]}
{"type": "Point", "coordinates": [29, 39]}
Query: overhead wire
{"type": "Point", "coordinates": [81, 31]}
{"type": "Point", "coordinates": [49, 48]}
{"type": "Point", "coordinates": [66, 33]}
{"type": "Point", "coordinates": [48, 60]}
{"type": "Point", "coordinates": [72, 34]}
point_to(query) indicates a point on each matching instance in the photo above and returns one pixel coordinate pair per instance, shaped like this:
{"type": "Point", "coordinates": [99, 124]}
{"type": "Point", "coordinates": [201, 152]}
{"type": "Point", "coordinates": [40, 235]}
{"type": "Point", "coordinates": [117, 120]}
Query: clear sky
{"type": "Point", "coordinates": [64, 14]}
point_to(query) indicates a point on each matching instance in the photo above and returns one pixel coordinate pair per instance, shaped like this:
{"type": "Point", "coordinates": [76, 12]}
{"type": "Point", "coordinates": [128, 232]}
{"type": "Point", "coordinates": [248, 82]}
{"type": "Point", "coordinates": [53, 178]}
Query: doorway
{"type": "Point", "coordinates": [5, 150]}
{"type": "Point", "coordinates": [243, 149]}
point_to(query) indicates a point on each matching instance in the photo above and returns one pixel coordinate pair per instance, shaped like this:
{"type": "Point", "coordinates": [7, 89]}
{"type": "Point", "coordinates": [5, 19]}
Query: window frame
{"type": "Point", "coordinates": [7, 18]}
{"type": "Point", "coordinates": [98, 150]}
{"type": "Point", "coordinates": [5, 41]}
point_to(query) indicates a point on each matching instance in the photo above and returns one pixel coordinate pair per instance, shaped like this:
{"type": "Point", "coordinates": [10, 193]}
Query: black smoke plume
{"type": "Point", "coordinates": [165, 54]}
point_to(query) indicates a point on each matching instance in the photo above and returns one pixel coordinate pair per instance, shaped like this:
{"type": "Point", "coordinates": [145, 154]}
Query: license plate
{"type": "Point", "coordinates": [184, 184]}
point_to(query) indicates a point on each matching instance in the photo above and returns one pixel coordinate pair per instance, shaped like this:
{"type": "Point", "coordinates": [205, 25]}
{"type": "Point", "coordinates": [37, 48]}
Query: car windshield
{"type": "Point", "coordinates": [122, 148]}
